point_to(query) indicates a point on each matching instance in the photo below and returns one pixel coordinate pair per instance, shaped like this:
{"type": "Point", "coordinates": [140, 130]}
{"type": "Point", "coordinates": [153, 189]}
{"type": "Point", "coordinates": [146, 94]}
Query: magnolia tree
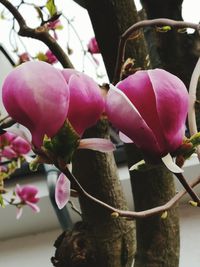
{"type": "Point", "coordinates": [69, 114]}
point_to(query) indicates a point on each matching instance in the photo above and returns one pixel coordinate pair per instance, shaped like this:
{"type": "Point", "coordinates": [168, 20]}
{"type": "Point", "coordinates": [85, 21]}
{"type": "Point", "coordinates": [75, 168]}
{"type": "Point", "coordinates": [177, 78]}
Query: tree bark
{"type": "Point", "coordinates": [110, 18]}
{"type": "Point", "coordinates": [96, 171]}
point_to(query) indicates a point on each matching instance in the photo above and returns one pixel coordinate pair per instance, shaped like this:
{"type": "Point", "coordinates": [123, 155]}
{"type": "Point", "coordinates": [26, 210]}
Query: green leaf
{"type": "Point", "coordinates": [50, 5]}
{"type": "Point", "coordinates": [2, 202]}
{"type": "Point", "coordinates": [64, 143]}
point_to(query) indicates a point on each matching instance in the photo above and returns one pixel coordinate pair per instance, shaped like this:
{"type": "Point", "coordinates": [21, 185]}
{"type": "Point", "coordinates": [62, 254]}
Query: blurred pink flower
{"type": "Point", "coordinates": [36, 95]}
{"type": "Point", "coordinates": [51, 58]}
{"type": "Point", "coordinates": [62, 191]}
{"type": "Point", "coordinates": [150, 107]}
{"type": "Point", "coordinates": [24, 57]}
{"type": "Point", "coordinates": [27, 195]}
{"type": "Point", "coordinates": [93, 47]}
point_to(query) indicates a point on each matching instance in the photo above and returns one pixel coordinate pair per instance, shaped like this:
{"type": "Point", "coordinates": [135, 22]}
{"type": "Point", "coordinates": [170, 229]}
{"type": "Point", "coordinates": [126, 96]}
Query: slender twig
{"type": "Point", "coordinates": [6, 122]}
{"type": "Point", "coordinates": [192, 99]}
{"type": "Point", "coordinates": [127, 213]}
{"type": "Point", "coordinates": [40, 33]}
{"type": "Point", "coordinates": [74, 208]}
{"type": "Point", "coordinates": [187, 187]}
{"type": "Point", "coordinates": [141, 24]}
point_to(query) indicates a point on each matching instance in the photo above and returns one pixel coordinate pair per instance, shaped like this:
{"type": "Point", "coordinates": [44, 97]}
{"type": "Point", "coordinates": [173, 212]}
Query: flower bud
{"type": "Point", "coordinates": [150, 107]}
{"type": "Point", "coordinates": [36, 95]}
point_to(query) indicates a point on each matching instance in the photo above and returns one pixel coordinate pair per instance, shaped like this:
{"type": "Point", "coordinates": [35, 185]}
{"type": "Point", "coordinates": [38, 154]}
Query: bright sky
{"type": "Point", "coordinates": [83, 26]}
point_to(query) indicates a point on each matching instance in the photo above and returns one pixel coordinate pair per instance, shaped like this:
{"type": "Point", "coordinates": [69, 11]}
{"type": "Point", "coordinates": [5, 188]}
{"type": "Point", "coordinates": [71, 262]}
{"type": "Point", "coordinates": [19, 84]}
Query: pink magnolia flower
{"type": "Point", "coordinates": [13, 146]}
{"type": "Point", "coordinates": [28, 196]}
{"type": "Point", "coordinates": [150, 107]}
{"type": "Point", "coordinates": [51, 58]}
{"type": "Point", "coordinates": [93, 47]}
{"type": "Point", "coordinates": [6, 139]}
{"type": "Point", "coordinates": [36, 95]}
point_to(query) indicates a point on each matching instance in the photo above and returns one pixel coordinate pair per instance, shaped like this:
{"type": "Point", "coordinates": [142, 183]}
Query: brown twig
{"type": "Point", "coordinates": [187, 187]}
{"type": "Point", "coordinates": [127, 213]}
{"type": "Point", "coordinates": [141, 24]}
{"type": "Point", "coordinates": [41, 33]}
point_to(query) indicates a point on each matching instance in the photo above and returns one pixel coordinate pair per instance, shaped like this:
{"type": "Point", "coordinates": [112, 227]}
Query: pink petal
{"type": "Point", "coordinates": [125, 138]}
{"type": "Point", "coordinates": [62, 191]}
{"type": "Point", "coordinates": [20, 146]}
{"type": "Point", "coordinates": [124, 116]}
{"type": "Point", "coordinates": [19, 213]}
{"type": "Point", "coordinates": [21, 131]}
{"type": "Point", "coordinates": [172, 103]}
{"type": "Point", "coordinates": [86, 102]}
{"type": "Point", "coordinates": [139, 90]}
{"type": "Point", "coordinates": [27, 193]}
{"type": "Point", "coordinates": [8, 153]}
{"type": "Point", "coordinates": [97, 144]}
{"type": "Point", "coordinates": [33, 206]}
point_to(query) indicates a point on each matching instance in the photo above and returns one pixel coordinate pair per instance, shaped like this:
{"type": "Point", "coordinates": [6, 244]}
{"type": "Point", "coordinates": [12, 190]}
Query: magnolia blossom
{"type": "Point", "coordinates": [93, 46]}
{"type": "Point", "coordinates": [150, 108]}
{"type": "Point", "coordinates": [28, 196]}
{"type": "Point", "coordinates": [13, 146]}
{"type": "Point", "coordinates": [51, 58]}
{"type": "Point", "coordinates": [36, 95]}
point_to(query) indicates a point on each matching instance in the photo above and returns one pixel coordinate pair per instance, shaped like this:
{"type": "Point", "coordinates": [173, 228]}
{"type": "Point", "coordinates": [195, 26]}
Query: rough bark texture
{"type": "Point", "coordinates": [113, 237]}
{"type": "Point", "coordinates": [157, 238]}
{"type": "Point", "coordinates": [110, 18]}
{"type": "Point", "coordinates": [177, 52]}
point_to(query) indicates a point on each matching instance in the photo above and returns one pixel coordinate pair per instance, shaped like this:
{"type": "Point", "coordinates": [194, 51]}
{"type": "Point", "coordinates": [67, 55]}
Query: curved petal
{"type": "Point", "coordinates": [171, 165]}
{"type": "Point", "coordinates": [172, 103]}
{"type": "Point", "coordinates": [19, 213]}
{"type": "Point", "coordinates": [124, 116]}
{"type": "Point", "coordinates": [139, 90]}
{"type": "Point", "coordinates": [86, 102]}
{"type": "Point", "coordinates": [62, 191]}
{"type": "Point", "coordinates": [97, 144]}
{"type": "Point", "coordinates": [33, 206]}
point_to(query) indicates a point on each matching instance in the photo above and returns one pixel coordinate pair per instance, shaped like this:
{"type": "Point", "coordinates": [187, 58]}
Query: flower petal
{"type": "Point", "coordinates": [125, 138]}
{"type": "Point", "coordinates": [124, 116]}
{"type": "Point", "coordinates": [97, 144]}
{"type": "Point", "coordinates": [33, 206]}
{"type": "Point", "coordinates": [19, 213]}
{"type": "Point", "coordinates": [169, 163]}
{"type": "Point", "coordinates": [136, 165]}
{"type": "Point", "coordinates": [86, 102]}
{"type": "Point", "coordinates": [172, 103]}
{"type": "Point", "coordinates": [62, 191]}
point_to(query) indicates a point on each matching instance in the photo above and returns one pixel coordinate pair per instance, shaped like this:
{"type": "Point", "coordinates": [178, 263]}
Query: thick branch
{"type": "Point", "coordinates": [40, 33]}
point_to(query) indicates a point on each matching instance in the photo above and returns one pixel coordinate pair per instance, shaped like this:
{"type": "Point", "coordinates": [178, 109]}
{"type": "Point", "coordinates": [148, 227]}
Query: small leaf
{"type": "Point", "coordinates": [164, 215]}
{"type": "Point", "coordinates": [50, 5]}
{"type": "Point", "coordinates": [2, 202]}
{"type": "Point", "coordinates": [34, 164]}
{"type": "Point", "coordinates": [64, 143]}
{"type": "Point", "coordinates": [115, 214]}
{"type": "Point", "coordinates": [193, 203]}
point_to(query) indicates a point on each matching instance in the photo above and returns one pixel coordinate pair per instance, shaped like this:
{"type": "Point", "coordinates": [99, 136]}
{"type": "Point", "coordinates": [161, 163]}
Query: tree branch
{"type": "Point", "coordinates": [126, 213]}
{"type": "Point", "coordinates": [40, 33]}
{"type": "Point", "coordinates": [129, 33]}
